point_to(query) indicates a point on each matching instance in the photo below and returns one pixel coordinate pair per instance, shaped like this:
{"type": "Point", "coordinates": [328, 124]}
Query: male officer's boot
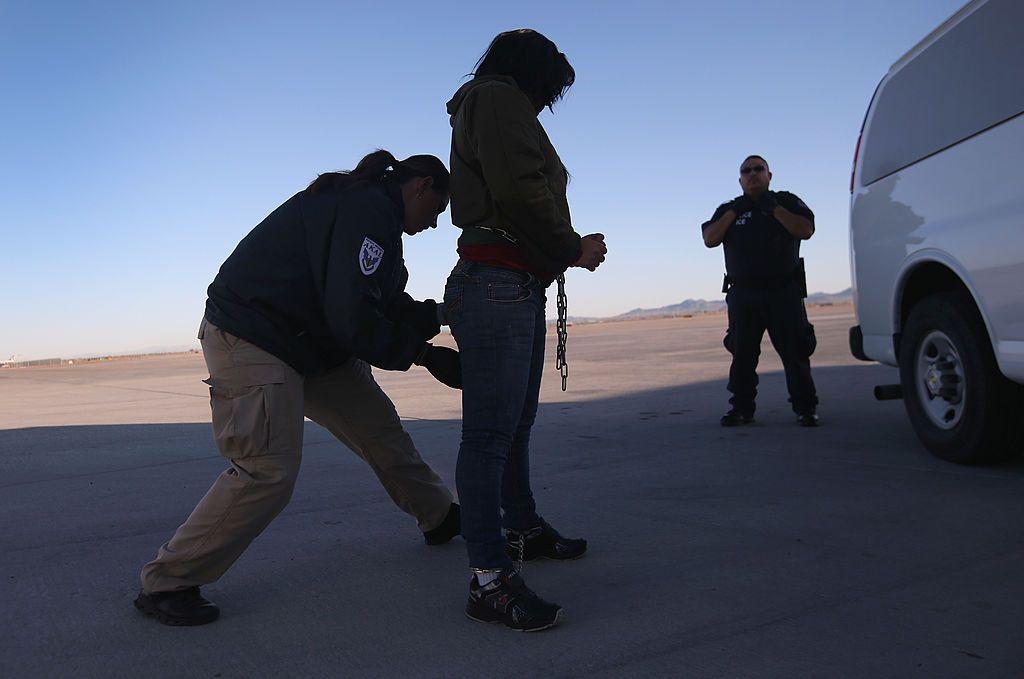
{"type": "Point", "coordinates": [735, 418]}
{"type": "Point", "coordinates": [807, 419]}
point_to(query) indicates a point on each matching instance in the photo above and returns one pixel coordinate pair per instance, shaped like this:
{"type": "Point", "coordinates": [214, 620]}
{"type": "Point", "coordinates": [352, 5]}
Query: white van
{"type": "Point", "coordinates": [937, 232]}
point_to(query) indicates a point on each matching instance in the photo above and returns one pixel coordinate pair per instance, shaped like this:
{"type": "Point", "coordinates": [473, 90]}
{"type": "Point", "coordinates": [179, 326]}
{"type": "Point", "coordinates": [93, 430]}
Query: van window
{"type": "Point", "coordinates": [968, 80]}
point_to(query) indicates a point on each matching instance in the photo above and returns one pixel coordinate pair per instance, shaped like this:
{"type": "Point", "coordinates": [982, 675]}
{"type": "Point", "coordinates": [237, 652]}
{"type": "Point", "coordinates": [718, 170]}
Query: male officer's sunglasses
{"type": "Point", "coordinates": [752, 168]}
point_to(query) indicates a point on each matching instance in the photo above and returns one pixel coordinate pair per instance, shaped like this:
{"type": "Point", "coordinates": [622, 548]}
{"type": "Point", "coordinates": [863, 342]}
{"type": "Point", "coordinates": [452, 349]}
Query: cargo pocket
{"type": "Point", "coordinates": [241, 417]}
{"type": "Point", "coordinates": [727, 340]}
{"type": "Point", "coordinates": [810, 340]}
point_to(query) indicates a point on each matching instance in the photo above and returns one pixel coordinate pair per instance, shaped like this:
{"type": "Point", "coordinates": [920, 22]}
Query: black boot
{"type": "Point", "coordinates": [735, 418]}
{"type": "Point", "coordinates": [807, 419]}
{"type": "Point", "coordinates": [183, 607]}
{"type": "Point", "coordinates": [449, 528]}
{"type": "Point", "coordinates": [544, 542]}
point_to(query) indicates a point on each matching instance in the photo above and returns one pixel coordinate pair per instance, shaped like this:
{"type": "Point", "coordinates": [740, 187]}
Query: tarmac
{"type": "Point", "coordinates": [762, 551]}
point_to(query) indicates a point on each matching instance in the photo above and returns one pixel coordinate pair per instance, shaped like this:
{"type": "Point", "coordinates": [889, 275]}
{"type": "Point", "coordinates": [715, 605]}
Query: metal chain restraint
{"type": "Point", "coordinates": [561, 362]}
{"type": "Point", "coordinates": [520, 544]}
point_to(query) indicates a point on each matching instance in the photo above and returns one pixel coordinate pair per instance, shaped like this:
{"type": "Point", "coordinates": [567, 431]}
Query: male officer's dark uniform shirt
{"type": "Point", "coordinates": [757, 246]}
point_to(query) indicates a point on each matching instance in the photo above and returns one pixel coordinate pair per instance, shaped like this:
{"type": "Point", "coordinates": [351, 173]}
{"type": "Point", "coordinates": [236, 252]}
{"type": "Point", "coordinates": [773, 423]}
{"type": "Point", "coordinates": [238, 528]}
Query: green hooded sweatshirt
{"type": "Point", "coordinates": [506, 175]}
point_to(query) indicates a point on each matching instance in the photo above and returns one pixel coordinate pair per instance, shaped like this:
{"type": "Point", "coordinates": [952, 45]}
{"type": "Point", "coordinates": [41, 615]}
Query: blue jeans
{"type": "Point", "coordinates": [497, 318]}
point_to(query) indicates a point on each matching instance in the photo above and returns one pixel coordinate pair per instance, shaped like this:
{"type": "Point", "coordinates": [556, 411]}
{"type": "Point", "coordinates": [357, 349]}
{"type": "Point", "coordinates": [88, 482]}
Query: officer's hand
{"type": "Point", "coordinates": [592, 251]}
{"type": "Point", "coordinates": [423, 317]}
{"type": "Point", "coordinates": [766, 203]}
{"type": "Point", "coordinates": [444, 364]}
{"type": "Point", "coordinates": [741, 204]}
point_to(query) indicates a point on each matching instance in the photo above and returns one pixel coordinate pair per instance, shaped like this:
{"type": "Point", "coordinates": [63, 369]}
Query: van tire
{"type": "Point", "coordinates": [989, 426]}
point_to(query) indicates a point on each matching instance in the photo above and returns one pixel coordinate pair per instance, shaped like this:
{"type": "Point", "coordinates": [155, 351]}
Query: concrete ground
{"type": "Point", "coordinates": [767, 551]}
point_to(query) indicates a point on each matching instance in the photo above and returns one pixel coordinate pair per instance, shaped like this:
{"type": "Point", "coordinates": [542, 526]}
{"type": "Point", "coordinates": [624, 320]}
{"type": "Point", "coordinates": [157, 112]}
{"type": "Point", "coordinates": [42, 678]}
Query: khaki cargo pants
{"type": "Point", "coordinates": [258, 405]}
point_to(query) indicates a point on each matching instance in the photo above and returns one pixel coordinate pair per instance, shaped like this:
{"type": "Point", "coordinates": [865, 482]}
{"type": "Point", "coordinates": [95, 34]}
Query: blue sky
{"type": "Point", "coordinates": [142, 140]}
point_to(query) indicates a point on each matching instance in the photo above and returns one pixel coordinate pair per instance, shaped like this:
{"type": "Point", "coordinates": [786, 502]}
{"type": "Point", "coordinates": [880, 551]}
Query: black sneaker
{"type": "Point", "coordinates": [809, 419]}
{"type": "Point", "coordinates": [183, 607]}
{"type": "Point", "coordinates": [735, 418]}
{"type": "Point", "coordinates": [449, 528]}
{"type": "Point", "coordinates": [544, 542]}
{"type": "Point", "coordinates": [509, 601]}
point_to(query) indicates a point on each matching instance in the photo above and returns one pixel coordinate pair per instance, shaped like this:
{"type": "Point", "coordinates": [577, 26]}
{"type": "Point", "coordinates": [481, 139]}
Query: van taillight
{"type": "Point", "coordinates": [853, 170]}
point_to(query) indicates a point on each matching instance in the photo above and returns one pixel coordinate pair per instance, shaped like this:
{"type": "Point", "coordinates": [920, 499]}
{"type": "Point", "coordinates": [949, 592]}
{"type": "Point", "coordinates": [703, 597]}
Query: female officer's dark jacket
{"type": "Point", "coordinates": [322, 279]}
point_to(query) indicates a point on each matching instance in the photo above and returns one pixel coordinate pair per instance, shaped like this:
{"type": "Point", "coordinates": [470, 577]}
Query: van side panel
{"type": "Point", "coordinates": [967, 203]}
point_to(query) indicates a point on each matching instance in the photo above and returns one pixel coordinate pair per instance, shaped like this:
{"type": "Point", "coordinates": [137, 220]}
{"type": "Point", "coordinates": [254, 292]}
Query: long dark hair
{"type": "Point", "coordinates": [540, 70]}
{"type": "Point", "coordinates": [380, 165]}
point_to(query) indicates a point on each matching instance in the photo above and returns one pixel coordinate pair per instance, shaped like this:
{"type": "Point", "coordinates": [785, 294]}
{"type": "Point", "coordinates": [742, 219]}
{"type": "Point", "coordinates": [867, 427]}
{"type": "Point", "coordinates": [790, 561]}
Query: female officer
{"type": "Point", "coordinates": [310, 297]}
{"type": "Point", "coordinates": [508, 197]}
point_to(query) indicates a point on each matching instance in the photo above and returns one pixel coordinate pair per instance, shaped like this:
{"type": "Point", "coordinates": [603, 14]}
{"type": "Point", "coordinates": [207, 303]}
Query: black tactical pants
{"type": "Point", "coordinates": [781, 312]}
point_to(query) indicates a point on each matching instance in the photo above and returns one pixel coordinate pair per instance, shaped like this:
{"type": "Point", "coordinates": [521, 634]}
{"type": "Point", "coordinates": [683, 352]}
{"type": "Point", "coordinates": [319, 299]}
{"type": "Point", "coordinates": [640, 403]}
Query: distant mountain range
{"type": "Point", "coordinates": [703, 306]}
{"type": "Point", "coordinates": [687, 307]}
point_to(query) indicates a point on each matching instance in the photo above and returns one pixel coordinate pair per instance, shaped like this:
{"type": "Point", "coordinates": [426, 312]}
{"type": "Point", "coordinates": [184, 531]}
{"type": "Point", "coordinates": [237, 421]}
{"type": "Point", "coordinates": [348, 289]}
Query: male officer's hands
{"type": "Point", "coordinates": [741, 204]}
{"type": "Point", "coordinates": [444, 364]}
{"type": "Point", "coordinates": [423, 317]}
{"type": "Point", "coordinates": [766, 203]}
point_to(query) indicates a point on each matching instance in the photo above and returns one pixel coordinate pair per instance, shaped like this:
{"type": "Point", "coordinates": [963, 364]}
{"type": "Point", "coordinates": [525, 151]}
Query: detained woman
{"type": "Point", "coordinates": [308, 301]}
{"type": "Point", "coordinates": [509, 198]}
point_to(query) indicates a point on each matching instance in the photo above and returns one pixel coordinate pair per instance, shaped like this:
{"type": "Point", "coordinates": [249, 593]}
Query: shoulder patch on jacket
{"type": "Point", "coordinates": [370, 256]}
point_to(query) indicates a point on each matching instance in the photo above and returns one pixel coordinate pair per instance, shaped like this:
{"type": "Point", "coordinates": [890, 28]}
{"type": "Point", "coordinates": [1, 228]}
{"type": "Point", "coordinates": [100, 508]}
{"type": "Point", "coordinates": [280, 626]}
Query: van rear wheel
{"type": "Point", "coordinates": [960, 405]}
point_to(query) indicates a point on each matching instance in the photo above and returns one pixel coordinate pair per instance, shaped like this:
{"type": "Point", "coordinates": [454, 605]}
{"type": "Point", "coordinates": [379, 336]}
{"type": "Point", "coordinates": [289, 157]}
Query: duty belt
{"type": "Point", "coordinates": [775, 282]}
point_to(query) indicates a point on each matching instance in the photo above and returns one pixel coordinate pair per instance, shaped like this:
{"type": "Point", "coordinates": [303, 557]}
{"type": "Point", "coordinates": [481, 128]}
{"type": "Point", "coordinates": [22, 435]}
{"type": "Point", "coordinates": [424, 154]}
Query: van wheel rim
{"type": "Point", "coordinates": [940, 380]}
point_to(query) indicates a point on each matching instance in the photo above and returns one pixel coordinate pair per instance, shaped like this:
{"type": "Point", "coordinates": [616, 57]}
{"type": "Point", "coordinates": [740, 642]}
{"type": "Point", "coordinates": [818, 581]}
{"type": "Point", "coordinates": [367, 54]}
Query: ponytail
{"type": "Point", "coordinates": [381, 165]}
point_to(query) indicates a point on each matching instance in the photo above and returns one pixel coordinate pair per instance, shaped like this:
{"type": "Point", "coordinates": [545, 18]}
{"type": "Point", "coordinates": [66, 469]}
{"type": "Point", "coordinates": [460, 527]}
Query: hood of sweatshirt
{"type": "Point", "coordinates": [463, 92]}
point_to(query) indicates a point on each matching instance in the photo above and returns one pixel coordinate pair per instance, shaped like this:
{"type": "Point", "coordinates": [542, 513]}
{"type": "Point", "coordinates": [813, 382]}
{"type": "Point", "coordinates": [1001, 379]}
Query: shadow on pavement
{"type": "Point", "coordinates": [768, 549]}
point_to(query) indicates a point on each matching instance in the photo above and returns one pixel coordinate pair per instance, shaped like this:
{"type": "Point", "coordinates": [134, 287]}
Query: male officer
{"type": "Point", "coordinates": [761, 231]}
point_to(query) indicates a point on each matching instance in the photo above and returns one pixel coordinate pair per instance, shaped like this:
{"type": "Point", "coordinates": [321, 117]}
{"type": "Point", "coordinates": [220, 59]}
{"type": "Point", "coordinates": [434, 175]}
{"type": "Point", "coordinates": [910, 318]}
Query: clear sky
{"type": "Point", "coordinates": [140, 141]}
